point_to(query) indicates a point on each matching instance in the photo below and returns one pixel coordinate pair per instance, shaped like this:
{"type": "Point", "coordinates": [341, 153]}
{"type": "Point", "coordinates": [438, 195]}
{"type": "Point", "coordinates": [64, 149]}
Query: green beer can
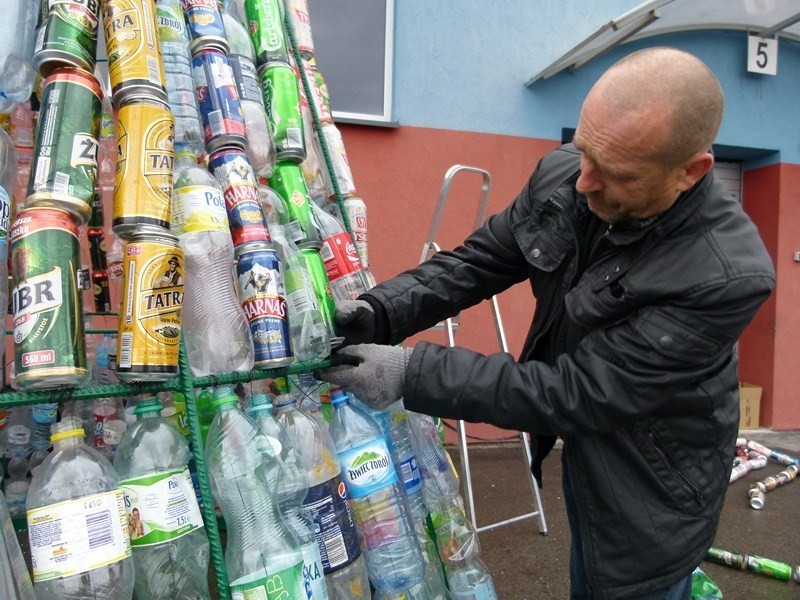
{"type": "Point", "coordinates": [49, 348]}
{"type": "Point", "coordinates": [266, 30]}
{"type": "Point", "coordinates": [64, 167]}
{"type": "Point", "coordinates": [281, 90]}
{"type": "Point", "coordinates": [322, 288]}
{"type": "Point", "coordinates": [67, 35]}
{"type": "Point", "coordinates": [288, 182]}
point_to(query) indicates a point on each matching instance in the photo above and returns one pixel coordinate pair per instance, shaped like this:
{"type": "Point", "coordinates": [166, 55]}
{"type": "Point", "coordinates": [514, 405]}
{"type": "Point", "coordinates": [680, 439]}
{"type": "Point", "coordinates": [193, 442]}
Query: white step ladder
{"type": "Point", "coordinates": [450, 325]}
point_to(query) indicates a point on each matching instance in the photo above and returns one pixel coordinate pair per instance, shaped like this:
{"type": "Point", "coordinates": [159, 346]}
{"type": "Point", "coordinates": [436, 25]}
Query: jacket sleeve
{"type": "Point", "coordinates": [615, 375]}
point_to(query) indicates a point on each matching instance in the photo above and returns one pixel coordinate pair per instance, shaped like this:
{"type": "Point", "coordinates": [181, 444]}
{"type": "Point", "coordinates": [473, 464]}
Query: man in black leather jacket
{"type": "Point", "coordinates": [645, 273]}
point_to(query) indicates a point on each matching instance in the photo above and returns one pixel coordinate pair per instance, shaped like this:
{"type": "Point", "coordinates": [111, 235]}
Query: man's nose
{"type": "Point", "coordinates": [590, 179]}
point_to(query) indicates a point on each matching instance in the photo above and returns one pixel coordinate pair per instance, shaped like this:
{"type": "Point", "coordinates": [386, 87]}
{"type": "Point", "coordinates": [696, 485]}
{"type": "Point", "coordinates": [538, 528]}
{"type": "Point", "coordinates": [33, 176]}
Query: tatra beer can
{"type": "Point", "coordinates": [134, 54]}
{"type": "Point", "coordinates": [266, 30]}
{"type": "Point", "coordinates": [322, 287]}
{"type": "Point", "coordinates": [64, 168]}
{"type": "Point", "coordinates": [150, 313]}
{"type": "Point", "coordinates": [49, 348]}
{"type": "Point", "coordinates": [259, 280]}
{"type": "Point", "coordinates": [101, 292]}
{"type": "Point", "coordinates": [145, 157]}
{"type": "Point", "coordinates": [205, 25]}
{"type": "Point", "coordinates": [67, 35]}
{"type": "Point", "coordinates": [282, 103]}
{"type": "Point", "coordinates": [218, 98]}
{"type": "Point", "coordinates": [301, 24]}
{"type": "Point", "coordinates": [288, 182]}
{"type": "Point", "coordinates": [235, 175]}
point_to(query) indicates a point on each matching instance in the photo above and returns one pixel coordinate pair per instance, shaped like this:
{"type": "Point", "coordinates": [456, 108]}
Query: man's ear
{"type": "Point", "coordinates": [694, 169]}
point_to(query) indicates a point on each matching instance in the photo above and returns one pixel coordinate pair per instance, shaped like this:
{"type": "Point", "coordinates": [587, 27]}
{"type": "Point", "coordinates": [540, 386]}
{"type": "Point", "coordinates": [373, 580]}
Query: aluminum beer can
{"type": "Point", "coordinates": [265, 18]}
{"type": "Point", "coordinates": [301, 24]}
{"type": "Point", "coordinates": [67, 35]}
{"type": "Point", "coordinates": [218, 98]}
{"type": "Point", "coordinates": [319, 281]}
{"type": "Point", "coordinates": [288, 182]}
{"type": "Point", "coordinates": [259, 279]}
{"type": "Point", "coordinates": [97, 249]}
{"type": "Point", "coordinates": [235, 175]}
{"type": "Point", "coordinates": [134, 53]}
{"type": "Point", "coordinates": [145, 158]}
{"type": "Point", "coordinates": [319, 91]}
{"type": "Point", "coordinates": [101, 292]}
{"type": "Point", "coordinates": [150, 312]}
{"type": "Point", "coordinates": [64, 167]}
{"type": "Point", "coordinates": [356, 211]}
{"type": "Point", "coordinates": [205, 25]}
{"type": "Point", "coordinates": [98, 216]}
{"type": "Point", "coordinates": [282, 103]}
{"type": "Point", "coordinates": [341, 164]}
{"type": "Point", "coordinates": [49, 347]}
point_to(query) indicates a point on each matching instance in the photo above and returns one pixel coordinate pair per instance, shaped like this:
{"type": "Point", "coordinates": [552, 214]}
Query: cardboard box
{"type": "Point", "coordinates": [749, 405]}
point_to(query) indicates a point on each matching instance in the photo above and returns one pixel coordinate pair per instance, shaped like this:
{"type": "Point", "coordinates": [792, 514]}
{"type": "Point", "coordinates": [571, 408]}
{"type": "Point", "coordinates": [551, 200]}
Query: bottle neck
{"type": "Point", "coordinates": [66, 443]}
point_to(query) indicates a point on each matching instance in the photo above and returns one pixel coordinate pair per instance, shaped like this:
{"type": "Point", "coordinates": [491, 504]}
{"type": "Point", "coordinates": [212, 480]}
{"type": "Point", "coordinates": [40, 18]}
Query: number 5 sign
{"type": "Point", "coordinates": [762, 55]}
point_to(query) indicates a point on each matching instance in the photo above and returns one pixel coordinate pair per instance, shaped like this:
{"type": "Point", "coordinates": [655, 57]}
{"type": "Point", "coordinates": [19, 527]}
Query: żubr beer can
{"type": "Point", "coordinates": [67, 35]}
{"type": "Point", "coordinates": [223, 120]}
{"type": "Point", "coordinates": [287, 180]}
{"type": "Point", "coordinates": [265, 18]}
{"type": "Point", "coordinates": [282, 103]}
{"type": "Point", "coordinates": [64, 168]}
{"type": "Point", "coordinates": [49, 348]}
{"type": "Point", "coordinates": [152, 300]}
{"type": "Point", "coordinates": [259, 279]}
{"type": "Point", "coordinates": [301, 24]}
{"type": "Point", "coordinates": [134, 54]}
{"type": "Point", "coordinates": [145, 158]}
{"type": "Point", "coordinates": [205, 25]}
{"type": "Point", "coordinates": [235, 175]}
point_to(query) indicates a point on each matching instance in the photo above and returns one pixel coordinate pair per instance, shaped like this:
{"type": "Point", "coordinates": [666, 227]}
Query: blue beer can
{"type": "Point", "coordinates": [218, 98]}
{"type": "Point", "coordinates": [262, 292]}
{"type": "Point", "coordinates": [204, 23]}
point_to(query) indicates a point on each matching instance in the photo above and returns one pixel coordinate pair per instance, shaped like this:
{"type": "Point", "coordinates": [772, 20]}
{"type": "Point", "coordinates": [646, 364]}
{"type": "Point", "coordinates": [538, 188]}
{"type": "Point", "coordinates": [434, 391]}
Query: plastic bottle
{"type": "Point", "coordinates": [241, 56]}
{"type": "Point", "coordinates": [107, 153]}
{"type": "Point", "coordinates": [217, 335]}
{"type": "Point", "coordinates": [170, 547]}
{"type": "Point", "coordinates": [292, 490]}
{"type": "Point", "coordinates": [16, 52]}
{"type": "Point", "coordinates": [43, 415]}
{"type": "Point", "coordinates": [8, 174]}
{"type": "Point", "coordinates": [345, 569]}
{"type": "Point", "coordinates": [15, 581]}
{"type": "Point", "coordinates": [306, 389]}
{"type": "Point", "coordinates": [262, 552]}
{"type": "Point", "coordinates": [394, 559]}
{"type": "Point", "coordinates": [75, 502]}
{"type": "Point", "coordinates": [103, 373]}
{"type": "Point", "coordinates": [456, 539]}
{"type": "Point", "coordinates": [16, 485]}
{"type": "Point", "coordinates": [177, 59]}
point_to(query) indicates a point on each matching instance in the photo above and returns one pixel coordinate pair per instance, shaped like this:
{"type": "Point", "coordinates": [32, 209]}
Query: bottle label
{"type": "Point", "coordinates": [244, 72]}
{"type": "Point", "coordinates": [18, 568]}
{"type": "Point", "coordinates": [161, 507]}
{"type": "Point", "coordinates": [340, 256]}
{"type": "Point", "coordinates": [198, 208]}
{"type": "Point", "coordinates": [482, 590]}
{"type": "Point", "coordinates": [78, 535]}
{"type": "Point", "coordinates": [285, 584]}
{"type": "Point", "coordinates": [409, 471]}
{"type": "Point", "coordinates": [367, 468]}
{"type": "Point", "coordinates": [313, 573]}
{"type": "Point", "coordinates": [334, 528]}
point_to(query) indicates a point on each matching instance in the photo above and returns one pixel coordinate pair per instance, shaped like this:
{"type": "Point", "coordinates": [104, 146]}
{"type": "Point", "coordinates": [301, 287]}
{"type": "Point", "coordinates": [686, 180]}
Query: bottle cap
{"type": "Point", "coordinates": [62, 435]}
{"type": "Point", "coordinates": [224, 395]}
{"type": "Point", "coordinates": [147, 404]}
{"type": "Point", "coordinates": [339, 397]}
{"type": "Point", "coordinates": [260, 402]}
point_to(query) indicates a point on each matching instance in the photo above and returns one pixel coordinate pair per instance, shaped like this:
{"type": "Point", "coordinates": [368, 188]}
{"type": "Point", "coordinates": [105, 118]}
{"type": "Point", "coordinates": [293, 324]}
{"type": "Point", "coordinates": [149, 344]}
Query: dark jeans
{"type": "Point", "coordinates": [682, 590]}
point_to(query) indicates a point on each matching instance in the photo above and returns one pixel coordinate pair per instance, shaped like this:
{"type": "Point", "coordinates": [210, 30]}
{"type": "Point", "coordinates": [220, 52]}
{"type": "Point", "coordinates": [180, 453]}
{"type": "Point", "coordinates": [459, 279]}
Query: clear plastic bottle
{"type": "Point", "coordinates": [8, 174]}
{"type": "Point", "coordinates": [394, 559]}
{"type": "Point", "coordinates": [241, 56]}
{"type": "Point", "coordinates": [103, 374]}
{"type": "Point", "coordinates": [16, 485]}
{"type": "Point", "coordinates": [15, 581]}
{"type": "Point", "coordinates": [43, 415]}
{"type": "Point", "coordinates": [307, 391]}
{"type": "Point", "coordinates": [217, 335]}
{"type": "Point", "coordinates": [170, 547]}
{"type": "Point", "coordinates": [467, 576]}
{"type": "Point", "coordinates": [292, 490]}
{"type": "Point", "coordinates": [75, 502]}
{"type": "Point", "coordinates": [107, 153]}
{"type": "Point", "coordinates": [16, 52]}
{"type": "Point", "coordinates": [261, 548]}
{"type": "Point", "coordinates": [345, 569]}
{"type": "Point", "coordinates": [177, 59]}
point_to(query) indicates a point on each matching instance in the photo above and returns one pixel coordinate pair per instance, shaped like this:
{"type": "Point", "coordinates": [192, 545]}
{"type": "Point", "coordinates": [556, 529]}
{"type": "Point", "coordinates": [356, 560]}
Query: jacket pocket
{"type": "Point", "coordinates": [673, 471]}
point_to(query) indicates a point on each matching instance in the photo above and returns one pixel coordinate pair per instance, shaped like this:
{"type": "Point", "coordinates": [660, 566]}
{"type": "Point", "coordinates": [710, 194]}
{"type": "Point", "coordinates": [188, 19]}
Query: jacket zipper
{"type": "Point", "coordinates": [686, 481]}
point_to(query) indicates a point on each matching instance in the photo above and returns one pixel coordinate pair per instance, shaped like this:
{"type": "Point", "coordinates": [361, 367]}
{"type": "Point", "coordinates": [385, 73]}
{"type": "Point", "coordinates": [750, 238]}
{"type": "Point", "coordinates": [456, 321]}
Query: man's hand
{"type": "Point", "coordinates": [371, 372]}
{"type": "Point", "coordinates": [355, 321]}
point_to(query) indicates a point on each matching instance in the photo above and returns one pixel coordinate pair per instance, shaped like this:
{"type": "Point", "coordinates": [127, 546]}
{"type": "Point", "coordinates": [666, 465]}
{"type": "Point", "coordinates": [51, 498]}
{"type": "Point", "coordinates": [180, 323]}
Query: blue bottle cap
{"type": "Point", "coordinates": [339, 397]}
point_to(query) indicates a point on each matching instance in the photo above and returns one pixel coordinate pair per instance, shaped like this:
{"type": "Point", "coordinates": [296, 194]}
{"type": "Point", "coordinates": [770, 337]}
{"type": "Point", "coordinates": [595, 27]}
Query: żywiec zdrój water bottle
{"type": "Point", "coordinates": [174, 41]}
{"type": "Point", "coordinates": [456, 539]}
{"type": "Point", "coordinates": [292, 490]}
{"type": "Point", "coordinates": [17, 29]}
{"type": "Point", "coordinates": [15, 582]}
{"type": "Point", "coordinates": [394, 560]}
{"type": "Point", "coordinates": [345, 569]}
{"type": "Point", "coordinates": [262, 555]}
{"type": "Point", "coordinates": [75, 506]}
{"type": "Point", "coordinates": [170, 547]}
{"type": "Point", "coordinates": [217, 335]}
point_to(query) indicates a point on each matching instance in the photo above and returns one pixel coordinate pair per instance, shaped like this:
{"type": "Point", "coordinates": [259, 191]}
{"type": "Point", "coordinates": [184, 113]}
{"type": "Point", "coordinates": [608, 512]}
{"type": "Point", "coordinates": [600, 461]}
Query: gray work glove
{"type": "Point", "coordinates": [355, 322]}
{"type": "Point", "coordinates": [372, 372]}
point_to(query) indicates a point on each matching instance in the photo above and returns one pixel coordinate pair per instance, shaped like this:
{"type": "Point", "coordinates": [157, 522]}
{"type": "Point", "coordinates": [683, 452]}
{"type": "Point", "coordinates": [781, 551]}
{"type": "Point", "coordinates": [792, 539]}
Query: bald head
{"type": "Point", "coordinates": [673, 83]}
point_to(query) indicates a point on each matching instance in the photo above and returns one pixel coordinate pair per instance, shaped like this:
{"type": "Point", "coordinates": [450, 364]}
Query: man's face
{"type": "Point", "coordinates": [620, 175]}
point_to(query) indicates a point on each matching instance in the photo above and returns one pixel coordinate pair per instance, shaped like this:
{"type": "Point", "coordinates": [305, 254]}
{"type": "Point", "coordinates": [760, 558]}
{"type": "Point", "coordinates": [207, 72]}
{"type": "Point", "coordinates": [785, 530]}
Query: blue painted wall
{"type": "Point", "coordinates": [462, 65]}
